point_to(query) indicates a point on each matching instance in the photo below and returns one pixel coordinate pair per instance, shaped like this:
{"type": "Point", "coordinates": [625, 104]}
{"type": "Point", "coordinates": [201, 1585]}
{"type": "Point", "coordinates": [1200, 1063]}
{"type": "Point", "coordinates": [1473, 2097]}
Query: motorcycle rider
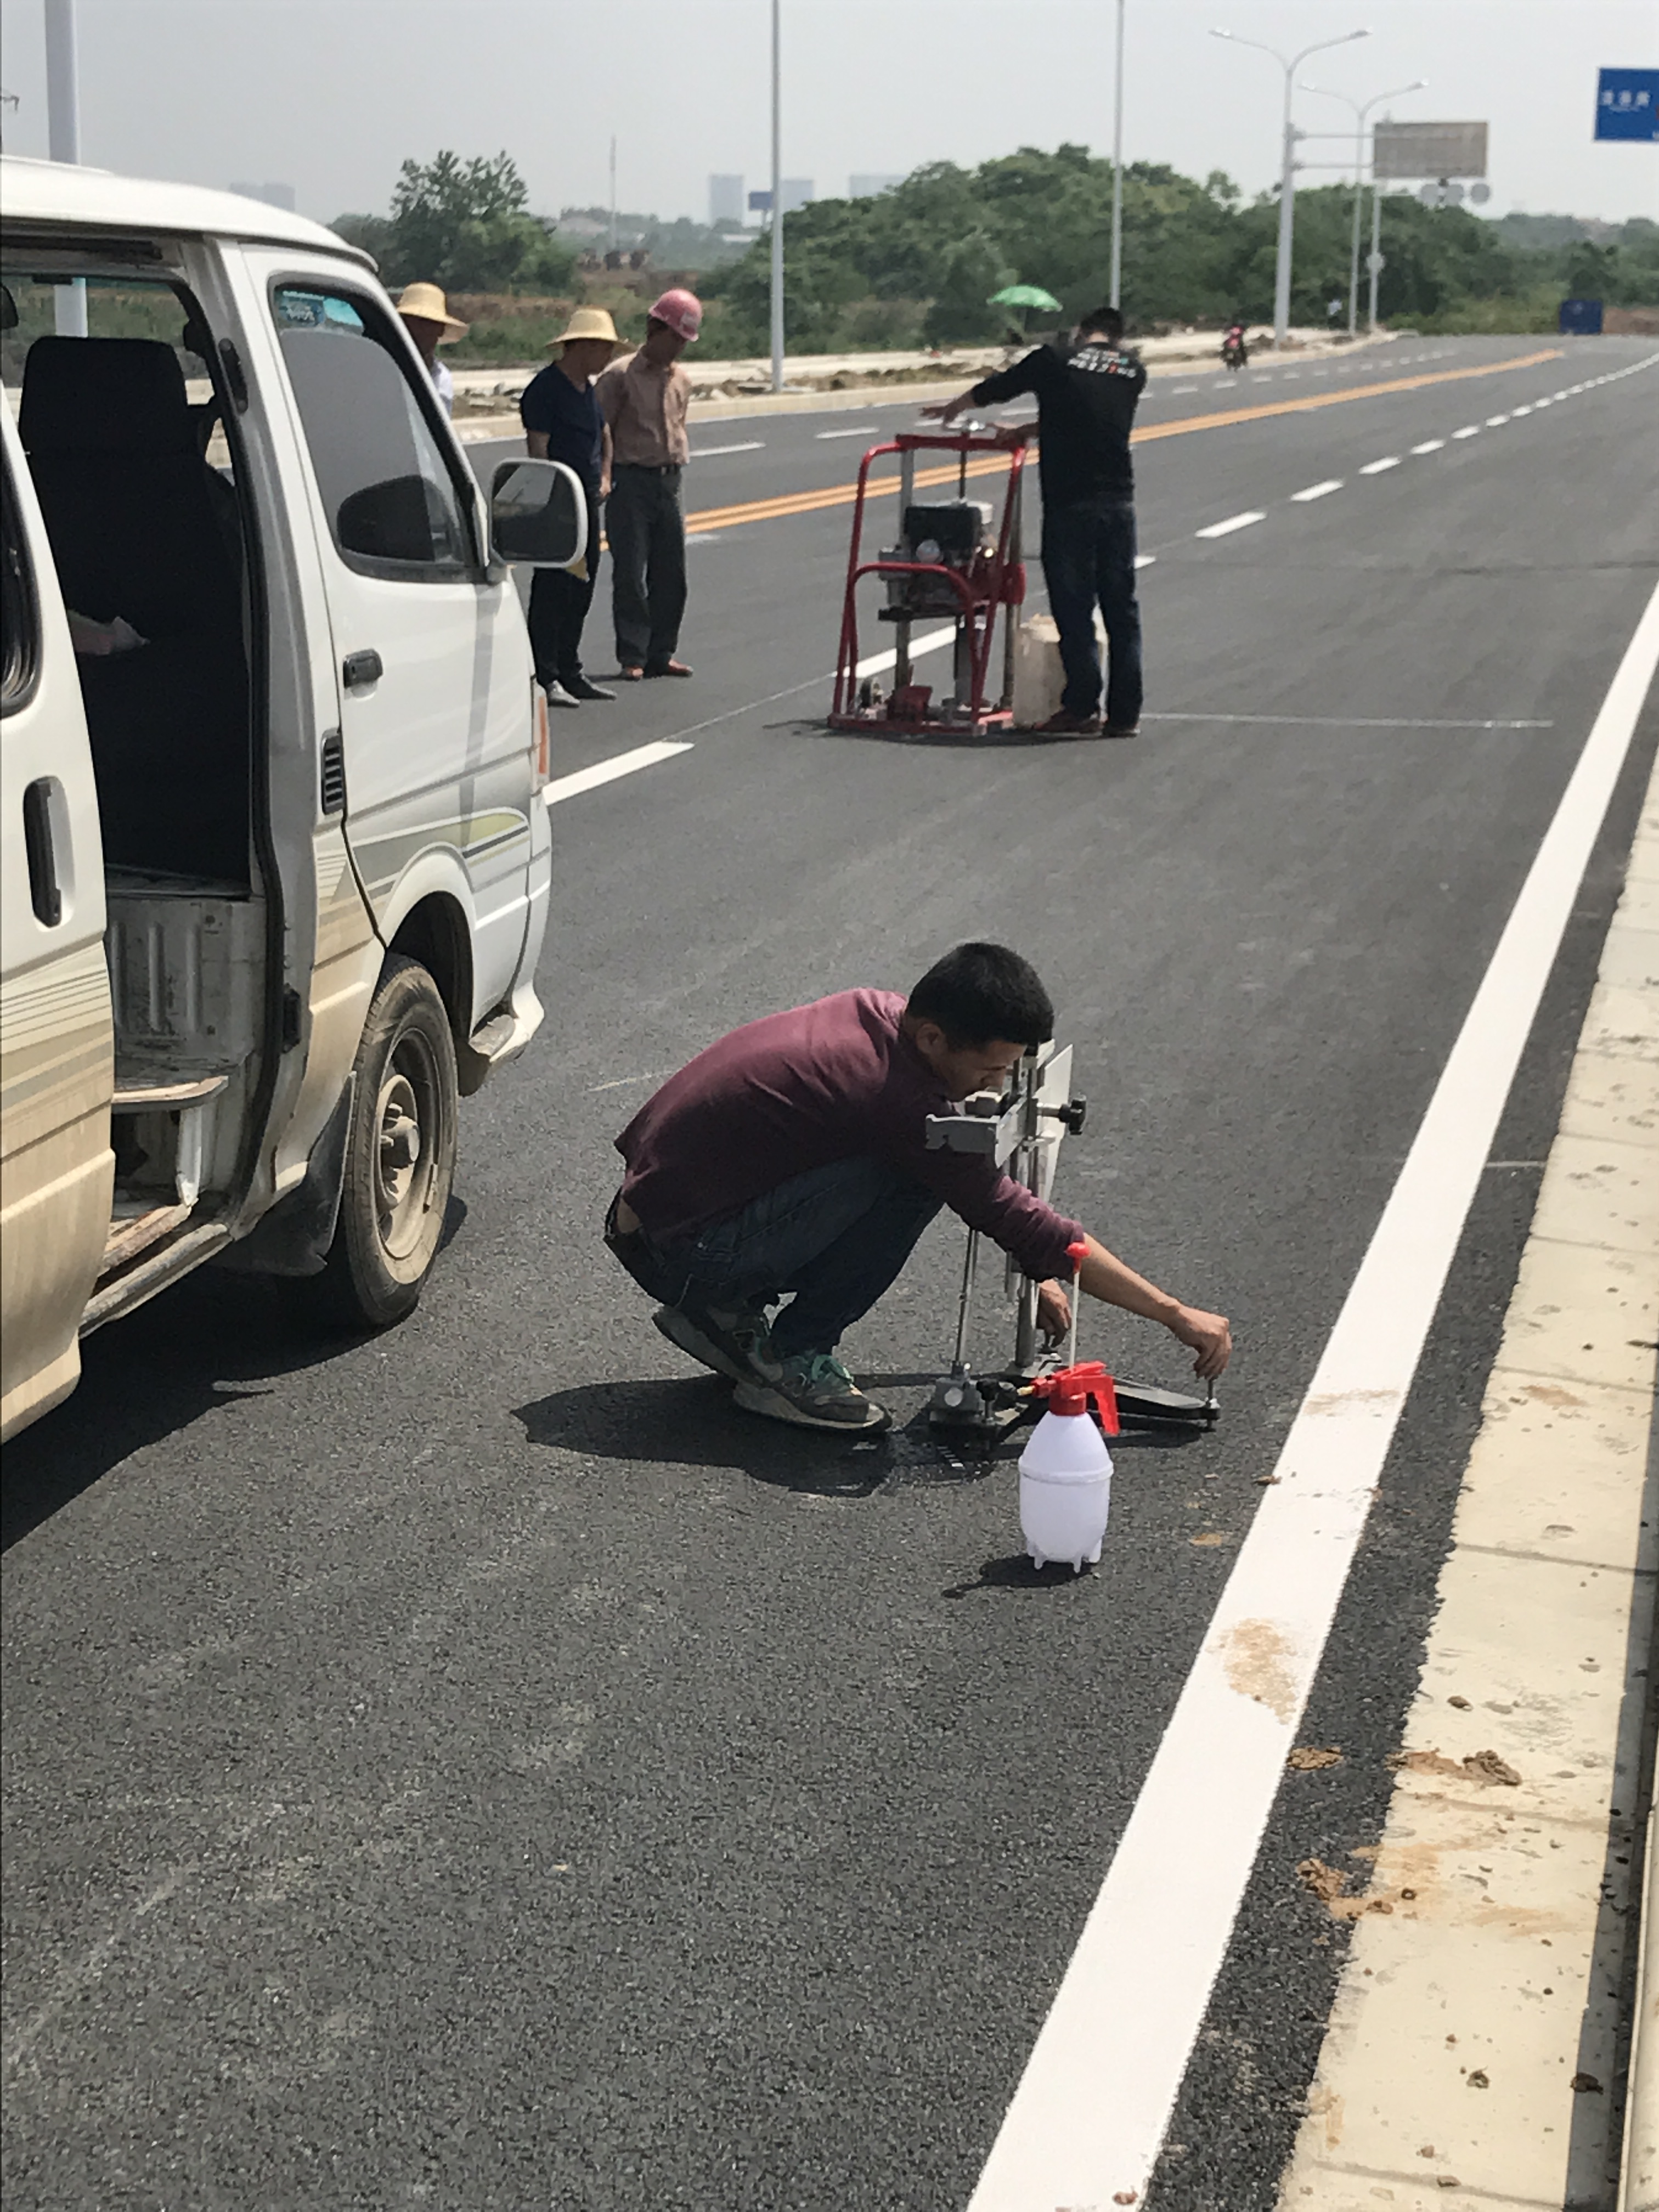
{"type": "Point", "coordinates": [1234, 351]}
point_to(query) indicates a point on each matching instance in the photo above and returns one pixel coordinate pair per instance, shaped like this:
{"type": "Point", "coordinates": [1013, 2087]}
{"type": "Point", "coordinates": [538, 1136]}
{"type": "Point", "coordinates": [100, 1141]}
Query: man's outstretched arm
{"type": "Point", "coordinates": [1104, 1276]}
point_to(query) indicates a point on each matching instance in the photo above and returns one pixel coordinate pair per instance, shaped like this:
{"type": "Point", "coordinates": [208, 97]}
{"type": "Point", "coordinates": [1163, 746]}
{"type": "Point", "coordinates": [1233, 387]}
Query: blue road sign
{"type": "Point", "coordinates": [760, 203]}
{"type": "Point", "coordinates": [1579, 319]}
{"type": "Point", "coordinates": [1627, 104]}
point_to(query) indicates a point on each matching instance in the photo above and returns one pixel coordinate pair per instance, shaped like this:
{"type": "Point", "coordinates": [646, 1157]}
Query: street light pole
{"type": "Point", "coordinates": [1117, 168]}
{"type": "Point", "coordinates": [777, 202]}
{"type": "Point", "coordinates": [63, 140]}
{"type": "Point", "coordinates": [1287, 178]}
{"type": "Point", "coordinates": [1361, 110]}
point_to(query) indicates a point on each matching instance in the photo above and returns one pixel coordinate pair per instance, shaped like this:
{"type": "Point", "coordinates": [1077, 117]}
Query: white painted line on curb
{"type": "Point", "coordinates": [1376, 468]}
{"type": "Point", "coordinates": [1428, 445]}
{"type": "Point", "coordinates": [607, 771]}
{"type": "Point", "coordinates": [863, 430]}
{"type": "Point", "coordinates": [1088, 2119]}
{"type": "Point", "coordinates": [930, 641]}
{"type": "Point", "coordinates": [1319, 491]}
{"type": "Point", "coordinates": [710, 453]}
{"type": "Point", "coordinates": [1233, 522]}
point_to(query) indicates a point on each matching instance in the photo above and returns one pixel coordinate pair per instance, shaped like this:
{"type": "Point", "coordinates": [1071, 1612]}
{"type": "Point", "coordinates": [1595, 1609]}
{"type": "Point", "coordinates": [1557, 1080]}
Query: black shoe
{"type": "Point", "coordinates": [579, 688]}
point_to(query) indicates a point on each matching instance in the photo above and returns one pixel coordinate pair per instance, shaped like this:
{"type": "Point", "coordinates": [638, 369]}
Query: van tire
{"type": "Point", "coordinates": [400, 1154]}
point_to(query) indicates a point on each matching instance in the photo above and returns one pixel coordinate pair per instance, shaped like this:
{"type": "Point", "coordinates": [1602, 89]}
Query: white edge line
{"type": "Point", "coordinates": [1319, 491]}
{"type": "Point", "coordinates": [1088, 2119]}
{"type": "Point", "coordinates": [1233, 522]}
{"type": "Point", "coordinates": [607, 771]}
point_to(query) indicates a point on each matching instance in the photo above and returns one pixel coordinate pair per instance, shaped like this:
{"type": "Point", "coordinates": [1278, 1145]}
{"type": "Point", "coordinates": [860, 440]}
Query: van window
{"type": "Point", "coordinates": [384, 481]}
{"type": "Point", "coordinates": [19, 619]}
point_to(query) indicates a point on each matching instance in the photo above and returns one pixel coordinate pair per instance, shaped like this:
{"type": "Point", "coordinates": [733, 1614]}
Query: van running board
{"type": "Point", "coordinates": [127, 1239]}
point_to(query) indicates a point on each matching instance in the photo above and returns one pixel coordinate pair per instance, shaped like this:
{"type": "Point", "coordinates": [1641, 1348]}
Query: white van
{"type": "Point", "coordinates": [274, 859]}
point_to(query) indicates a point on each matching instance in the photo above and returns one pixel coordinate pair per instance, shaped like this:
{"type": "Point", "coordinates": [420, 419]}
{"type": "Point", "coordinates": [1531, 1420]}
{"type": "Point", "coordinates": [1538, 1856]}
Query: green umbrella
{"type": "Point", "coordinates": [1024, 295]}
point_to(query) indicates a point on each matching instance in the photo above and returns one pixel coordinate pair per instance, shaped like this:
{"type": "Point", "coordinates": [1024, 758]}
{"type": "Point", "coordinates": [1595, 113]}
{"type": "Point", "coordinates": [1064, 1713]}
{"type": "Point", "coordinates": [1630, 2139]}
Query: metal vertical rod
{"type": "Point", "coordinates": [613, 195]}
{"type": "Point", "coordinates": [1117, 167]}
{"type": "Point", "coordinates": [959, 1363]}
{"type": "Point", "coordinates": [64, 140]}
{"type": "Point", "coordinates": [1377, 246]}
{"type": "Point", "coordinates": [1286, 225]}
{"type": "Point", "coordinates": [1010, 612]}
{"type": "Point", "coordinates": [777, 199]}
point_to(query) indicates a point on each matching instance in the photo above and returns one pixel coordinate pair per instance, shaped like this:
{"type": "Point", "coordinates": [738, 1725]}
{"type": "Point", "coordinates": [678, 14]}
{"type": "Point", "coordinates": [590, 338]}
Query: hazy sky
{"type": "Point", "coordinates": [330, 95]}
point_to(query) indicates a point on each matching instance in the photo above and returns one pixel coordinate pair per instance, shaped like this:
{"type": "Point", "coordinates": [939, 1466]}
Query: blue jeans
{"type": "Point", "coordinates": [836, 1236]}
{"type": "Point", "coordinates": [1089, 558]}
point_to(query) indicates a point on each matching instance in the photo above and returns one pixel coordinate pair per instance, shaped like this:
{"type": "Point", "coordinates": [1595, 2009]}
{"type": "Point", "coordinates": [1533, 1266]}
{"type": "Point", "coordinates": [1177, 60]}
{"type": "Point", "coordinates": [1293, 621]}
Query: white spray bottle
{"type": "Point", "coordinates": [1065, 1471]}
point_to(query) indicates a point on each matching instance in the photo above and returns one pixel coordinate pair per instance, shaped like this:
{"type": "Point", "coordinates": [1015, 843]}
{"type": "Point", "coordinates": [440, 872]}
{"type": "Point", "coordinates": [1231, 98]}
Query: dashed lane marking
{"type": "Point", "coordinates": [608, 771]}
{"type": "Point", "coordinates": [1233, 522]}
{"type": "Point", "coordinates": [1318, 491]}
{"type": "Point", "coordinates": [1428, 445]}
{"type": "Point", "coordinates": [1376, 468]}
{"type": "Point", "coordinates": [712, 452]}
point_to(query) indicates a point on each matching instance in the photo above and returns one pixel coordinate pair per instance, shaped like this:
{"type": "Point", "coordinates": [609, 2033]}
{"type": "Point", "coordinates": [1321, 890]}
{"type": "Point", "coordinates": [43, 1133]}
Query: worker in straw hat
{"type": "Point", "coordinates": [426, 316]}
{"type": "Point", "coordinates": [560, 412]}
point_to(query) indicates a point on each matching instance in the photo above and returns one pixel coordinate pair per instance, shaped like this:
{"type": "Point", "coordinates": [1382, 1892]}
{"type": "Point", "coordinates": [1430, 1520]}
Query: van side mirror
{"type": "Point", "coordinates": [538, 515]}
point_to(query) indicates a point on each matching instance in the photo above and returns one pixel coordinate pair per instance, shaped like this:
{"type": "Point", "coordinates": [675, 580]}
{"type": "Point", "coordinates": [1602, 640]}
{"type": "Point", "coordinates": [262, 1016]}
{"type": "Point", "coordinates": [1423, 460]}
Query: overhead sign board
{"type": "Point", "coordinates": [1429, 149]}
{"type": "Point", "coordinates": [1627, 104]}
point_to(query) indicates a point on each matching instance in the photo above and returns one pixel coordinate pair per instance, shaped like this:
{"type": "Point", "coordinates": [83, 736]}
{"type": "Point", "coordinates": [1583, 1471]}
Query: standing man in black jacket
{"type": "Point", "coordinates": [1086, 398]}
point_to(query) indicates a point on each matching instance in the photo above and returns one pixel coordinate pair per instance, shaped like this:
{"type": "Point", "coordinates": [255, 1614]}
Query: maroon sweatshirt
{"type": "Point", "coordinates": [832, 1081]}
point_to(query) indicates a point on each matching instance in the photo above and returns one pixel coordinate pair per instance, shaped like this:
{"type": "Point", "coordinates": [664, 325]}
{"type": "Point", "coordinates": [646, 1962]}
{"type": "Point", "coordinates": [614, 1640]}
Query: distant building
{"type": "Point", "coordinates": [797, 193]}
{"type": "Point", "coordinates": [277, 196]}
{"type": "Point", "coordinates": [866, 187]}
{"type": "Point", "coordinates": [724, 200]}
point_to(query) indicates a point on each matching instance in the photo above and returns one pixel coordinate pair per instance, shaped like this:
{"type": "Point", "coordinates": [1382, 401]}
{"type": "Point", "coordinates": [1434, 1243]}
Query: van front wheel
{"type": "Point", "coordinates": [400, 1154]}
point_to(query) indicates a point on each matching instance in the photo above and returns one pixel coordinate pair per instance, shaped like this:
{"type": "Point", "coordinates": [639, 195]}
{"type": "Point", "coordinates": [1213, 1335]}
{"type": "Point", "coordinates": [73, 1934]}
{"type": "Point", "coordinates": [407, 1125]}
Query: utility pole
{"type": "Point", "coordinates": [777, 202]}
{"type": "Point", "coordinates": [1361, 110]}
{"type": "Point", "coordinates": [1287, 174]}
{"type": "Point", "coordinates": [64, 140]}
{"type": "Point", "coordinates": [613, 195]}
{"type": "Point", "coordinates": [1375, 264]}
{"type": "Point", "coordinates": [1117, 168]}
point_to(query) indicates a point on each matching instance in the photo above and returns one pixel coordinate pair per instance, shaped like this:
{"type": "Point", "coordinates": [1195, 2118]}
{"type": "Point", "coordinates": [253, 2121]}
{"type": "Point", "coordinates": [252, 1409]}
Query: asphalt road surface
{"type": "Point", "coordinates": [476, 1767]}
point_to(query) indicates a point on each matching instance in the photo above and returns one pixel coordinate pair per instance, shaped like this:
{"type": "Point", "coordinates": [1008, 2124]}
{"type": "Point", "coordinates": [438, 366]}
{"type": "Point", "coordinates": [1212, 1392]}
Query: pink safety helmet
{"type": "Point", "coordinates": [681, 310]}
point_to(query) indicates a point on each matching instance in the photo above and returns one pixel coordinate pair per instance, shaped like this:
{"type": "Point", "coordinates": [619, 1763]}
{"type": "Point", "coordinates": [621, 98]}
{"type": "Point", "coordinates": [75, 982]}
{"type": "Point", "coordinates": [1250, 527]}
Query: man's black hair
{"type": "Point", "coordinates": [1106, 321]}
{"type": "Point", "coordinates": [978, 992]}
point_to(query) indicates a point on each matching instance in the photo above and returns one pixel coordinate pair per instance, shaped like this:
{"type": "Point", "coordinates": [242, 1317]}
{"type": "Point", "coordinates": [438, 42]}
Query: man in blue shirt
{"type": "Point", "coordinates": [562, 422]}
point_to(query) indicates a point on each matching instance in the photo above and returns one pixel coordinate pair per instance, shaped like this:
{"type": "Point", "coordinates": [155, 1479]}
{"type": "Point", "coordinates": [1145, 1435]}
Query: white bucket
{"type": "Point", "coordinates": [1039, 677]}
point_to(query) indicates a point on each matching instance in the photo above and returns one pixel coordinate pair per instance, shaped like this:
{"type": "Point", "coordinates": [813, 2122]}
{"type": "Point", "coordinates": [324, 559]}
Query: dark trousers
{"type": "Point", "coordinates": [1089, 559]}
{"type": "Point", "coordinates": [558, 608]}
{"type": "Point", "coordinates": [836, 1236]}
{"type": "Point", "coordinates": [645, 531]}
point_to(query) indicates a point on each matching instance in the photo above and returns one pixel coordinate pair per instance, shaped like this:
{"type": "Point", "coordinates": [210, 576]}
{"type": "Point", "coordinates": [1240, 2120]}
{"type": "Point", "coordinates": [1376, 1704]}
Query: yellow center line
{"type": "Point", "coordinates": [843, 495]}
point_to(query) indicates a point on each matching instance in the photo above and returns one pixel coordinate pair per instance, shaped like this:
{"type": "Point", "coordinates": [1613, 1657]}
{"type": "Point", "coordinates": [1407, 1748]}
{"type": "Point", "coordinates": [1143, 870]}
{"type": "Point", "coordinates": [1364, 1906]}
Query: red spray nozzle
{"type": "Point", "coordinates": [1069, 1390]}
{"type": "Point", "coordinates": [1076, 1254]}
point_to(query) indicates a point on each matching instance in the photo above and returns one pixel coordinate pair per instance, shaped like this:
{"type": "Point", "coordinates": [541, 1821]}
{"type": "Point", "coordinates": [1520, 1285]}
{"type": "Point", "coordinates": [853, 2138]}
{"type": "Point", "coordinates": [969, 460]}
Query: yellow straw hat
{"type": "Point", "coordinates": [587, 323]}
{"type": "Point", "coordinates": [428, 305]}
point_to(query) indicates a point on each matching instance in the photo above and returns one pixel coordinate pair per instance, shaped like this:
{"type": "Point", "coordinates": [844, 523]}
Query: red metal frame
{"type": "Point", "coordinates": [991, 582]}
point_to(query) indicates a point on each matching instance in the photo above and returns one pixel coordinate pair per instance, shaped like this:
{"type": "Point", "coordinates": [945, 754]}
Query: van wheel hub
{"type": "Point", "coordinates": [403, 1166]}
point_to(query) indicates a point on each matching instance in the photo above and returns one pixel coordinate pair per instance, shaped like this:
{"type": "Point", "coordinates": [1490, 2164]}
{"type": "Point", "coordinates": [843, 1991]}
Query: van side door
{"type": "Point", "coordinates": [57, 1032]}
{"type": "Point", "coordinates": [430, 650]}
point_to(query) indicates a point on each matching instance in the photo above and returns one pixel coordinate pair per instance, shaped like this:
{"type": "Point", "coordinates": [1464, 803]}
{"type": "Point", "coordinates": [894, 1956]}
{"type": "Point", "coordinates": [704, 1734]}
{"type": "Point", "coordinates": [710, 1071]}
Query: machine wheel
{"type": "Point", "coordinates": [400, 1154]}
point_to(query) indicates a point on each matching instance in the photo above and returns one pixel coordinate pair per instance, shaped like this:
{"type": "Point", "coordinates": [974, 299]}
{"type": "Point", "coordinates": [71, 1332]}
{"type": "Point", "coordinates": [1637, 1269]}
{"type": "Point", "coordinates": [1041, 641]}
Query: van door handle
{"type": "Point", "coordinates": [45, 895]}
{"type": "Point", "coordinates": [360, 668]}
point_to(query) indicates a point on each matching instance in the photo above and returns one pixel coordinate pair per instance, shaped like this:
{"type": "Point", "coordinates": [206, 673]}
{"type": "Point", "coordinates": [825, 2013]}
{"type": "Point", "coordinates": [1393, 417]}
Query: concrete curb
{"type": "Point", "coordinates": [1639, 2178]}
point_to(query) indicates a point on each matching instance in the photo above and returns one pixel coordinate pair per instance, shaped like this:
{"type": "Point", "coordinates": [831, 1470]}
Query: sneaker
{"type": "Point", "coordinates": [558, 696]}
{"type": "Point", "coordinates": [1063, 725]}
{"type": "Point", "coordinates": [814, 1391]}
{"type": "Point", "coordinates": [579, 688]}
{"type": "Point", "coordinates": [736, 1344]}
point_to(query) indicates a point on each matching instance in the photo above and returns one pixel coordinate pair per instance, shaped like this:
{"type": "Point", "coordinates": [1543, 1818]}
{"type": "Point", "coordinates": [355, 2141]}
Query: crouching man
{"type": "Point", "coordinates": [791, 1157]}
